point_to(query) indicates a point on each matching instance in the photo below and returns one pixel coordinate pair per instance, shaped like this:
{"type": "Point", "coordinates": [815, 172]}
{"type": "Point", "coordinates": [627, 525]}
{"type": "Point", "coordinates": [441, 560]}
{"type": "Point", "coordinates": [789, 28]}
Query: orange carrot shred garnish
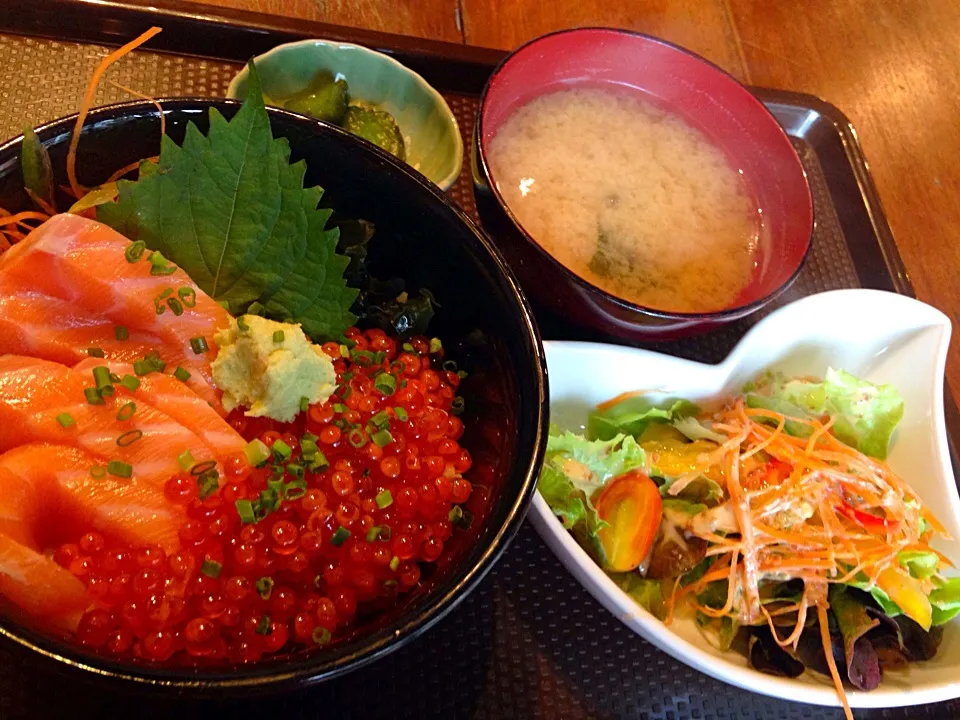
{"type": "Point", "coordinates": [78, 190]}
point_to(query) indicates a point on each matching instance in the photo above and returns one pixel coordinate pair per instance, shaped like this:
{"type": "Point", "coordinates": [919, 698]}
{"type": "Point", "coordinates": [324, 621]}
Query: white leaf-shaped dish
{"type": "Point", "coordinates": [883, 337]}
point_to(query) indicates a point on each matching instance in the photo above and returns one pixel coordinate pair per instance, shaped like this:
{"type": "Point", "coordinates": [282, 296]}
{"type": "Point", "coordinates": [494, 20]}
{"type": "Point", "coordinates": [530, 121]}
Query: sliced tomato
{"type": "Point", "coordinates": [772, 472]}
{"type": "Point", "coordinates": [630, 505]}
{"type": "Point", "coordinates": [868, 521]}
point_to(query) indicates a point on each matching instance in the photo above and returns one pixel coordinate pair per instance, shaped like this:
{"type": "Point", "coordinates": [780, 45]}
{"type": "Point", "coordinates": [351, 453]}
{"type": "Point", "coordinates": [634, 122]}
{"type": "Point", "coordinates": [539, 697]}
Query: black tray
{"type": "Point", "coordinates": [530, 642]}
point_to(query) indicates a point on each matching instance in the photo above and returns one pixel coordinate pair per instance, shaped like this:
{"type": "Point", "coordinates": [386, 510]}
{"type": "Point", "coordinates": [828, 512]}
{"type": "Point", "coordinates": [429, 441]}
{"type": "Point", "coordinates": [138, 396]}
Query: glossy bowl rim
{"type": "Point", "coordinates": [311, 670]}
{"type": "Point", "coordinates": [447, 181]}
{"type": "Point", "coordinates": [727, 314]}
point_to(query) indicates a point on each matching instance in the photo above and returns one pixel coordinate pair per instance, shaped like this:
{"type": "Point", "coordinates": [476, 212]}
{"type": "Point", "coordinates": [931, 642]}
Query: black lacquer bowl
{"type": "Point", "coordinates": [482, 318]}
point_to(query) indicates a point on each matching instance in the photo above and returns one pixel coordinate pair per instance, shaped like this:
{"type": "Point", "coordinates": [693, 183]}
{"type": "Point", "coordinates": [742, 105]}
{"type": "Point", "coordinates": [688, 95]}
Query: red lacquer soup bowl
{"type": "Point", "coordinates": [704, 96]}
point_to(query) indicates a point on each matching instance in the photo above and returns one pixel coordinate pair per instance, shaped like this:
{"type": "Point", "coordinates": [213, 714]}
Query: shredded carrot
{"type": "Point", "coordinates": [607, 404]}
{"type": "Point", "coordinates": [75, 186]}
{"type": "Point", "coordinates": [831, 663]}
{"type": "Point", "coordinates": [128, 169]}
{"type": "Point", "coordinates": [137, 93]}
{"type": "Point", "coordinates": [21, 217]}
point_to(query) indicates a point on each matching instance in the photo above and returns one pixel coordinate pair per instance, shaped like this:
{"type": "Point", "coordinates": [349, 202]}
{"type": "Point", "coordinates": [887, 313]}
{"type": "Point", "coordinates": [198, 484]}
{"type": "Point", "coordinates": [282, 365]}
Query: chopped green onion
{"type": "Point", "coordinates": [208, 484]}
{"type": "Point", "coordinates": [460, 517]}
{"type": "Point", "coordinates": [121, 333]}
{"type": "Point", "coordinates": [255, 309]}
{"type": "Point", "coordinates": [345, 391]}
{"type": "Point", "coordinates": [134, 251]}
{"type": "Point", "coordinates": [130, 382]}
{"type": "Point", "coordinates": [242, 325]}
{"type": "Point", "coordinates": [129, 438]}
{"type": "Point", "coordinates": [389, 583]}
{"type": "Point", "coordinates": [159, 307]}
{"type": "Point", "coordinates": [188, 296]}
{"type": "Point", "coordinates": [379, 532]}
{"type": "Point", "coordinates": [159, 264]}
{"type": "Point", "coordinates": [308, 447]}
{"type": "Point", "coordinates": [401, 414]}
{"type": "Point", "coordinates": [435, 345]}
{"type": "Point", "coordinates": [382, 438]}
{"type": "Point", "coordinates": [278, 336]}
{"type": "Point", "coordinates": [339, 537]}
{"type": "Point", "coordinates": [185, 460]}
{"type": "Point", "coordinates": [245, 511]}
{"type": "Point", "coordinates": [65, 420]}
{"type": "Point", "coordinates": [384, 499]}
{"type": "Point", "coordinates": [176, 306]}
{"type": "Point", "coordinates": [295, 469]}
{"type": "Point", "coordinates": [265, 587]}
{"type": "Point", "coordinates": [93, 396]}
{"type": "Point", "coordinates": [344, 351]}
{"type": "Point", "coordinates": [166, 293]}
{"type": "Point", "coordinates": [319, 462]}
{"type": "Point", "coordinates": [458, 405]}
{"type": "Point", "coordinates": [211, 568]}
{"type": "Point", "coordinates": [275, 484]}
{"type": "Point", "coordinates": [120, 469]}
{"type": "Point", "coordinates": [379, 357]}
{"type": "Point", "coordinates": [304, 404]}
{"type": "Point", "coordinates": [380, 420]}
{"type": "Point", "coordinates": [294, 490]}
{"type": "Point", "coordinates": [257, 452]}
{"type": "Point", "coordinates": [449, 366]}
{"type": "Point", "coordinates": [269, 501]}
{"type": "Point", "coordinates": [181, 374]}
{"type": "Point", "coordinates": [101, 376]}
{"type": "Point", "coordinates": [95, 352]}
{"type": "Point", "coordinates": [201, 468]}
{"type": "Point", "coordinates": [126, 411]}
{"type": "Point", "coordinates": [339, 408]}
{"type": "Point", "coordinates": [461, 374]}
{"type": "Point", "coordinates": [98, 471]}
{"type": "Point", "coordinates": [149, 364]}
{"type": "Point", "coordinates": [357, 438]}
{"type": "Point", "coordinates": [365, 355]}
{"type": "Point", "coordinates": [407, 347]}
{"type": "Point", "coordinates": [281, 450]}
{"type": "Point", "coordinates": [199, 345]}
{"type": "Point", "coordinates": [264, 626]}
{"type": "Point", "coordinates": [394, 563]}
{"type": "Point", "coordinates": [320, 635]}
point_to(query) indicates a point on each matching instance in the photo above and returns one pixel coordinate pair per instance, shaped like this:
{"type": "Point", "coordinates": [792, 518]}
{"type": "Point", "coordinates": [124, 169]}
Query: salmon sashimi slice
{"type": "Point", "coordinates": [34, 393]}
{"type": "Point", "coordinates": [49, 496]}
{"type": "Point", "coordinates": [84, 262]}
{"type": "Point", "coordinates": [39, 586]}
{"type": "Point", "coordinates": [175, 398]}
{"type": "Point", "coordinates": [41, 326]}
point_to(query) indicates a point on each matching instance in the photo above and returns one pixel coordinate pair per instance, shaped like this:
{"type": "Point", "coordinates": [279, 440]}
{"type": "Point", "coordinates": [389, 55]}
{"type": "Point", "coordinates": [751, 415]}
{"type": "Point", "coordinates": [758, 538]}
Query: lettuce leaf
{"type": "Point", "coordinates": [648, 594]}
{"type": "Point", "coordinates": [632, 415]}
{"type": "Point", "coordinates": [693, 429]}
{"type": "Point", "coordinates": [575, 468]}
{"type": "Point", "coordinates": [232, 212]}
{"type": "Point", "coordinates": [945, 600]}
{"type": "Point", "coordinates": [922, 564]}
{"type": "Point", "coordinates": [866, 414]}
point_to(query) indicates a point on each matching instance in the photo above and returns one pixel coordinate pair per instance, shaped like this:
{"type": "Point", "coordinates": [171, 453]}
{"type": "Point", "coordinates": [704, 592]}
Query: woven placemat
{"type": "Point", "coordinates": [529, 642]}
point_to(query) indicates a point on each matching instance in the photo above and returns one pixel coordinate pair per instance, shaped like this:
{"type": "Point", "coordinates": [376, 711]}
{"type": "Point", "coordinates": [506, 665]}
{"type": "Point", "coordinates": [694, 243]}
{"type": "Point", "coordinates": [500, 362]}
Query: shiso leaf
{"type": "Point", "coordinates": [232, 212]}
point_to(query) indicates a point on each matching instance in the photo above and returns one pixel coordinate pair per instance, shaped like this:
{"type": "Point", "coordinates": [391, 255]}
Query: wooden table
{"type": "Point", "coordinates": [892, 66]}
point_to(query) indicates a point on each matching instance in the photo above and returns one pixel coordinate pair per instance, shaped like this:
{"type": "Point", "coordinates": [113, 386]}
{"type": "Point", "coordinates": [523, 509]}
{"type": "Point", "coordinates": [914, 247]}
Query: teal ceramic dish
{"type": "Point", "coordinates": [430, 132]}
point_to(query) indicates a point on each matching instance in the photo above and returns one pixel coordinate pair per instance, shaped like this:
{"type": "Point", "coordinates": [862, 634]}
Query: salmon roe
{"type": "Point", "coordinates": [359, 494]}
